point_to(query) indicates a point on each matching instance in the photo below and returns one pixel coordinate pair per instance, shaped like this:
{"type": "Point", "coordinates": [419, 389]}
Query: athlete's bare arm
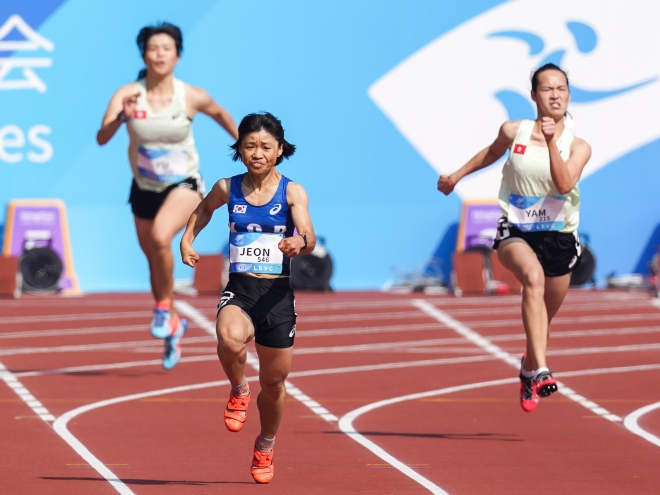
{"type": "Point", "coordinates": [199, 100]}
{"type": "Point", "coordinates": [298, 202]}
{"type": "Point", "coordinates": [565, 174]}
{"type": "Point", "coordinates": [200, 218]}
{"type": "Point", "coordinates": [487, 156]}
{"type": "Point", "coordinates": [124, 99]}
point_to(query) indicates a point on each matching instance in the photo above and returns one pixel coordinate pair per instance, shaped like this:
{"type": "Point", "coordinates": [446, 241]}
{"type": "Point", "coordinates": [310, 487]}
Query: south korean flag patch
{"type": "Point", "coordinates": [240, 209]}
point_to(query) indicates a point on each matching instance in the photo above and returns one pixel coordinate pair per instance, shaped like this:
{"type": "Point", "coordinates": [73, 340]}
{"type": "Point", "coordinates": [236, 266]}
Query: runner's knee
{"type": "Point", "coordinates": [534, 280]}
{"type": "Point", "coordinates": [273, 389]}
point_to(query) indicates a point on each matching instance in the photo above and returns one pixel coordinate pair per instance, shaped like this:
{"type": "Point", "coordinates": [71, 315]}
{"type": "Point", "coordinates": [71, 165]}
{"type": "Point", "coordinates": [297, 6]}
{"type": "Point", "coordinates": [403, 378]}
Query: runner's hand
{"type": "Point", "coordinates": [189, 255]}
{"type": "Point", "coordinates": [130, 102]}
{"type": "Point", "coordinates": [446, 184]}
{"type": "Point", "coordinates": [291, 246]}
{"type": "Point", "coordinates": [548, 128]}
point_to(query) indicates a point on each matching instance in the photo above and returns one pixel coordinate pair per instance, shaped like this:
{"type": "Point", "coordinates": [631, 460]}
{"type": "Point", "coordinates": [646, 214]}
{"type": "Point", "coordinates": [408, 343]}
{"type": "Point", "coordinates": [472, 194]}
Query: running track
{"type": "Point", "coordinates": [389, 393]}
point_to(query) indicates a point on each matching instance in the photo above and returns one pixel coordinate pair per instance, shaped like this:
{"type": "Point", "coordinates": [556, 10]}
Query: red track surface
{"type": "Point", "coordinates": [475, 441]}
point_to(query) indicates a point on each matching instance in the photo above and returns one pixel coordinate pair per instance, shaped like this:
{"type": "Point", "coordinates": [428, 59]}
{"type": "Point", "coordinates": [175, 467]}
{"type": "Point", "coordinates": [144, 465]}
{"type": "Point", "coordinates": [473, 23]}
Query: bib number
{"type": "Point", "coordinates": [167, 166]}
{"type": "Point", "coordinates": [536, 213]}
{"type": "Point", "coordinates": [255, 252]}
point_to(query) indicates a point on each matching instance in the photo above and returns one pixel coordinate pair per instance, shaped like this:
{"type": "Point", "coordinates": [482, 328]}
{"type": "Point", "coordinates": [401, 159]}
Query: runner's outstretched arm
{"type": "Point", "coordinates": [487, 156]}
{"type": "Point", "coordinates": [200, 218]}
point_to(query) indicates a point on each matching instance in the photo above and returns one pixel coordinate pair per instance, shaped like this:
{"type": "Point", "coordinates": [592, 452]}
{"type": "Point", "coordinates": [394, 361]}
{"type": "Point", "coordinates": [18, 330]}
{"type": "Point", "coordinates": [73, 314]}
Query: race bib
{"type": "Point", "coordinates": [536, 213]}
{"type": "Point", "coordinates": [167, 166]}
{"type": "Point", "coordinates": [255, 252]}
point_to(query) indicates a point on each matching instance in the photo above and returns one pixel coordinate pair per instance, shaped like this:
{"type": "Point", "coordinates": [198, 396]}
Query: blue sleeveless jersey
{"type": "Point", "coordinates": [273, 217]}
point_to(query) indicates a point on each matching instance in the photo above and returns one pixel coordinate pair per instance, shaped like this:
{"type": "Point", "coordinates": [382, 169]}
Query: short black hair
{"type": "Point", "coordinates": [161, 28]}
{"type": "Point", "coordinates": [262, 121]}
{"type": "Point", "coordinates": [543, 68]}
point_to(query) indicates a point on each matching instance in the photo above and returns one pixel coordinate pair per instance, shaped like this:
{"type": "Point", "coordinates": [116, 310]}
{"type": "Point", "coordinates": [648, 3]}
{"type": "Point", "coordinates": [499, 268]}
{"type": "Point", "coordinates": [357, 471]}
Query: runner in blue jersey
{"type": "Point", "coordinates": [258, 303]}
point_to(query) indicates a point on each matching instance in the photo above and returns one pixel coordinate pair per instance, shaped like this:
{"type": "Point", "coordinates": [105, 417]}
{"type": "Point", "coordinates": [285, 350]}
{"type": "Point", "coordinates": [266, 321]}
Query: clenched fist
{"type": "Point", "coordinates": [446, 184]}
{"type": "Point", "coordinates": [291, 246]}
{"type": "Point", "coordinates": [188, 254]}
{"type": "Point", "coordinates": [548, 128]}
{"type": "Point", "coordinates": [130, 102]}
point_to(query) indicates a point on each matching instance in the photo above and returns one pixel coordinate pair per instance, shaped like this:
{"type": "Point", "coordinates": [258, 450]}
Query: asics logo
{"type": "Point", "coordinates": [275, 209]}
{"type": "Point", "coordinates": [293, 331]}
{"type": "Point", "coordinates": [225, 298]}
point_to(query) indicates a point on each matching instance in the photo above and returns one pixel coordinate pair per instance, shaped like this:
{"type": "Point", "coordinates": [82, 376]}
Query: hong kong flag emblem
{"type": "Point", "coordinates": [520, 149]}
{"type": "Point", "coordinates": [140, 114]}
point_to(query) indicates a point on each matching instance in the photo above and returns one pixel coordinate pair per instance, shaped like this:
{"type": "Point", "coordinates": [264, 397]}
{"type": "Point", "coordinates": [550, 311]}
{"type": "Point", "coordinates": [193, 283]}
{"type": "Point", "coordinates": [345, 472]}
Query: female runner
{"type": "Point", "coordinates": [158, 110]}
{"type": "Point", "coordinates": [264, 208]}
{"type": "Point", "coordinates": [537, 236]}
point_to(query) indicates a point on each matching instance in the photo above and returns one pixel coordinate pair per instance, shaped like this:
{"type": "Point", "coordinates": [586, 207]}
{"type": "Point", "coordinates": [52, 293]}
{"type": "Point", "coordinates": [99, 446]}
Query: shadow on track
{"type": "Point", "coordinates": [131, 481]}
{"type": "Point", "coordinates": [499, 437]}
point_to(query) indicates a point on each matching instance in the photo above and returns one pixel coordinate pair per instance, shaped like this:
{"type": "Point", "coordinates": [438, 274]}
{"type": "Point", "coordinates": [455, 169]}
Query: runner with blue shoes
{"type": "Point", "coordinates": [158, 110]}
{"type": "Point", "coordinates": [258, 303]}
{"type": "Point", "coordinates": [537, 236]}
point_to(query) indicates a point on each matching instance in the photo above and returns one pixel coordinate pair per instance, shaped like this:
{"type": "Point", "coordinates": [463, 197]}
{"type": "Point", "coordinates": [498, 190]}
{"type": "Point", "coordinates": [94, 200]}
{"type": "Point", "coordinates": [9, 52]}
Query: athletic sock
{"type": "Point", "coordinates": [264, 444]}
{"type": "Point", "coordinates": [240, 390]}
{"type": "Point", "coordinates": [527, 374]}
{"type": "Point", "coordinates": [166, 305]}
{"type": "Point", "coordinates": [174, 324]}
{"type": "Point", "coordinates": [541, 370]}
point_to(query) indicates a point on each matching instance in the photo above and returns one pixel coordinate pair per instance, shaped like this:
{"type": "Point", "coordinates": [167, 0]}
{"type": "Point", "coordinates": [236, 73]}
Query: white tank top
{"type": "Point", "coordinates": [161, 148]}
{"type": "Point", "coordinates": [528, 197]}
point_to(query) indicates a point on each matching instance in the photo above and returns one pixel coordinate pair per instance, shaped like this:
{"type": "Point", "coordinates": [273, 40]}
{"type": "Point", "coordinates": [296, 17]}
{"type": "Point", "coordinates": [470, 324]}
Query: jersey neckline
{"type": "Point", "coordinates": [240, 189]}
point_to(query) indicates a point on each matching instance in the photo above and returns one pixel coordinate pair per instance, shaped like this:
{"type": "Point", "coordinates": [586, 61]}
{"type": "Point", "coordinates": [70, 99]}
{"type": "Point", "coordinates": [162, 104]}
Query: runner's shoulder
{"type": "Point", "coordinates": [509, 129]}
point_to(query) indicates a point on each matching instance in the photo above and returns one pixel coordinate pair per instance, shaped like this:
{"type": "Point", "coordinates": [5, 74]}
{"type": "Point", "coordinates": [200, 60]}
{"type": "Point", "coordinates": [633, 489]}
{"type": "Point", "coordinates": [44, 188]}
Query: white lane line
{"type": "Point", "coordinates": [158, 362]}
{"type": "Point", "coordinates": [75, 317]}
{"type": "Point", "coordinates": [605, 349]}
{"type": "Point", "coordinates": [488, 346]}
{"type": "Point", "coordinates": [438, 326]}
{"type": "Point", "coordinates": [413, 327]}
{"type": "Point", "coordinates": [196, 316]}
{"type": "Point", "coordinates": [631, 423]}
{"type": "Point", "coordinates": [25, 395]}
{"type": "Point", "coordinates": [405, 346]}
{"type": "Point", "coordinates": [111, 366]}
{"type": "Point", "coordinates": [60, 427]}
{"type": "Point", "coordinates": [570, 320]}
{"type": "Point", "coordinates": [346, 425]}
{"type": "Point", "coordinates": [655, 302]}
{"type": "Point", "coordinates": [131, 345]}
{"type": "Point", "coordinates": [71, 331]}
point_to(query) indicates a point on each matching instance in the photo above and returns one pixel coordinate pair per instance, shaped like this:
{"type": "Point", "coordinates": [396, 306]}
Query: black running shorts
{"type": "Point", "coordinates": [145, 204]}
{"type": "Point", "coordinates": [558, 252]}
{"type": "Point", "coordinates": [270, 304]}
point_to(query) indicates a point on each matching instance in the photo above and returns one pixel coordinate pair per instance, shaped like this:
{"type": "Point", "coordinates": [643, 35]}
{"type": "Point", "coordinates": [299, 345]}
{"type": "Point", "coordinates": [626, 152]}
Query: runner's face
{"type": "Point", "coordinates": [160, 57]}
{"type": "Point", "coordinates": [552, 94]}
{"type": "Point", "coordinates": [259, 152]}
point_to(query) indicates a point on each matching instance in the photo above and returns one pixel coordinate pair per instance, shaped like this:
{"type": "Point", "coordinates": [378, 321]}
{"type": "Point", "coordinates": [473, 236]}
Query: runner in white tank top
{"type": "Point", "coordinates": [537, 236]}
{"type": "Point", "coordinates": [158, 110]}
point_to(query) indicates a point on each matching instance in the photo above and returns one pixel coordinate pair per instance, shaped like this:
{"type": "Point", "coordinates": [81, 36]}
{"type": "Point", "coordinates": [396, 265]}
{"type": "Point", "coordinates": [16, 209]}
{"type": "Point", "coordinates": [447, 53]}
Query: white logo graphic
{"type": "Point", "coordinates": [449, 98]}
{"type": "Point", "coordinates": [243, 267]}
{"type": "Point", "coordinates": [33, 42]}
{"type": "Point", "coordinates": [293, 331]}
{"type": "Point", "coordinates": [275, 209]}
{"type": "Point", "coordinates": [225, 298]}
{"type": "Point", "coordinates": [240, 208]}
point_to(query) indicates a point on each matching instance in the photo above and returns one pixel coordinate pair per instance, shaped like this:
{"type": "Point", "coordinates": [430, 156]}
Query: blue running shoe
{"type": "Point", "coordinates": [160, 324]}
{"type": "Point", "coordinates": [173, 345]}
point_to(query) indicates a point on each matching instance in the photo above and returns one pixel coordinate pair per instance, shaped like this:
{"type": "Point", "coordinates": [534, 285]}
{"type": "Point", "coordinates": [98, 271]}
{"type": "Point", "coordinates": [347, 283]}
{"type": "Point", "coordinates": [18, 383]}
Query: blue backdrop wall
{"type": "Point", "coordinates": [341, 75]}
